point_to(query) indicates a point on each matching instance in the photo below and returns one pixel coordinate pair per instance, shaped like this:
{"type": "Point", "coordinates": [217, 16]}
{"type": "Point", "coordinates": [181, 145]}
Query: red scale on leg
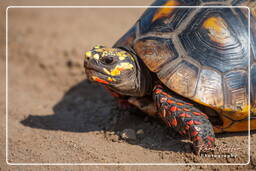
{"type": "Point", "coordinates": [187, 127]}
{"type": "Point", "coordinates": [173, 109]}
{"type": "Point", "coordinates": [197, 123]}
{"type": "Point", "coordinates": [190, 122]}
{"type": "Point", "coordinates": [158, 91]}
{"type": "Point", "coordinates": [182, 115]}
{"type": "Point", "coordinates": [197, 138]}
{"type": "Point", "coordinates": [205, 115]}
{"type": "Point", "coordinates": [164, 93]}
{"type": "Point", "coordinates": [180, 104]}
{"type": "Point", "coordinates": [187, 115]}
{"type": "Point", "coordinates": [185, 118]}
{"type": "Point", "coordinates": [186, 109]}
{"type": "Point", "coordinates": [174, 122]}
{"type": "Point", "coordinates": [194, 133]}
{"type": "Point", "coordinates": [210, 138]}
{"type": "Point", "coordinates": [169, 96]}
{"type": "Point", "coordinates": [170, 101]}
{"type": "Point", "coordinates": [196, 113]}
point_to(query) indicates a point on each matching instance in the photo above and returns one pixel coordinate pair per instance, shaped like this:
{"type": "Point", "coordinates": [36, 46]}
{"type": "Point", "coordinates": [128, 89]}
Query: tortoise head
{"type": "Point", "coordinates": [117, 69]}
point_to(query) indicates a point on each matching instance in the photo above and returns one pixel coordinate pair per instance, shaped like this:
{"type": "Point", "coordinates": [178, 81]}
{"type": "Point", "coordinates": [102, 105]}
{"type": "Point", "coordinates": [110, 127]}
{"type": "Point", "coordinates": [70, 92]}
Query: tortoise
{"type": "Point", "coordinates": [187, 65]}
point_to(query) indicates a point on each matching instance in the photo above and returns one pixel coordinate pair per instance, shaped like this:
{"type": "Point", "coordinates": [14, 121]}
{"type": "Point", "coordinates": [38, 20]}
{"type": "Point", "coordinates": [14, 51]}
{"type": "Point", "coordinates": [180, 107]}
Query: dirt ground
{"type": "Point", "coordinates": [56, 116]}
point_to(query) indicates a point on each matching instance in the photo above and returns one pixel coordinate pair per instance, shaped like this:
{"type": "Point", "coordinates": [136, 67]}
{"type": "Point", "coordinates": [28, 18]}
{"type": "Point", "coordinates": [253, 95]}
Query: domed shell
{"type": "Point", "coordinates": [200, 53]}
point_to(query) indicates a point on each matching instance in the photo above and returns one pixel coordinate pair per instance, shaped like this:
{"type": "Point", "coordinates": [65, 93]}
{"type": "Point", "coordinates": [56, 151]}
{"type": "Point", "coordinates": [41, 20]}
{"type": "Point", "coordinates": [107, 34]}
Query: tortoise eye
{"type": "Point", "coordinates": [107, 60]}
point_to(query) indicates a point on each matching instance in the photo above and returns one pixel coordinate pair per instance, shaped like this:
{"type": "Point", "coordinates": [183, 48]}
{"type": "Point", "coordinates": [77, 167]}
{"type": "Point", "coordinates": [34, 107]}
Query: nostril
{"type": "Point", "coordinates": [86, 61]}
{"type": "Point", "coordinates": [87, 58]}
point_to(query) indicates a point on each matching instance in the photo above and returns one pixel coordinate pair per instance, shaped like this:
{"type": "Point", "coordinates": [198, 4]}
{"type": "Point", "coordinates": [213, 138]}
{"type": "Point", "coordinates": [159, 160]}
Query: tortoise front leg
{"type": "Point", "coordinates": [184, 118]}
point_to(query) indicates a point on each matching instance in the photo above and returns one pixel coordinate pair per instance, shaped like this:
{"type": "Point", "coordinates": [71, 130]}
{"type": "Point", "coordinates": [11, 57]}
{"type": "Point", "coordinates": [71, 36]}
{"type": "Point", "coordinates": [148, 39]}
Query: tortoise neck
{"type": "Point", "coordinates": [143, 75]}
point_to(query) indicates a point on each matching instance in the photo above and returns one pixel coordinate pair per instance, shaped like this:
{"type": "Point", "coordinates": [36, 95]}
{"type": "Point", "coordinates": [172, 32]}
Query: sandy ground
{"type": "Point", "coordinates": [56, 116]}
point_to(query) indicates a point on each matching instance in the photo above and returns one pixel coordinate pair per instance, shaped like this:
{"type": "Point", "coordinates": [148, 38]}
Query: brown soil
{"type": "Point", "coordinates": [56, 116]}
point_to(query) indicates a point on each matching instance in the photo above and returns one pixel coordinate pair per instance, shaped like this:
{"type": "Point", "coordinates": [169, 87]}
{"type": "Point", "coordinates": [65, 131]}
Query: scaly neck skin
{"type": "Point", "coordinates": [138, 84]}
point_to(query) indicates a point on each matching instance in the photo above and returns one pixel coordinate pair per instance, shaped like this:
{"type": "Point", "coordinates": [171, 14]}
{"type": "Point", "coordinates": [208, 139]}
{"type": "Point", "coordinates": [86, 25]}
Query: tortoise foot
{"type": "Point", "coordinates": [185, 118]}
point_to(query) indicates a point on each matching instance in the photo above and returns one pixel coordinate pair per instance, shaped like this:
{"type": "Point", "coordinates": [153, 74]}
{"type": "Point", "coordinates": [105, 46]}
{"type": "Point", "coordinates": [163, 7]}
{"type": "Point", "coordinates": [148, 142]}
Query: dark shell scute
{"type": "Point", "coordinates": [165, 19]}
{"type": "Point", "coordinates": [155, 51]}
{"type": "Point", "coordinates": [214, 40]}
{"type": "Point", "coordinates": [236, 90]}
{"type": "Point", "coordinates": [184, 74]}
{"type": "Point", "coordinates": [238, 2]}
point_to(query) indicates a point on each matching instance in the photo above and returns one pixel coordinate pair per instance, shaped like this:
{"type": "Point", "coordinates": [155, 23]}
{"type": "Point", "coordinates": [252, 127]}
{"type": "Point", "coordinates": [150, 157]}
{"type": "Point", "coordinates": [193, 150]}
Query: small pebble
{"type": "Point", "coordinates": [128, 134]}
{"type": "Point", "coordinates": [114, 138]}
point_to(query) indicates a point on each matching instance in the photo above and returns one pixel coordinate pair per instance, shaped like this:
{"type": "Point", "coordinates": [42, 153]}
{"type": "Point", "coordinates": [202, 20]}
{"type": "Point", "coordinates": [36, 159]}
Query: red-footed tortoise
{"type": "Point", "coordinates": [189, 61]}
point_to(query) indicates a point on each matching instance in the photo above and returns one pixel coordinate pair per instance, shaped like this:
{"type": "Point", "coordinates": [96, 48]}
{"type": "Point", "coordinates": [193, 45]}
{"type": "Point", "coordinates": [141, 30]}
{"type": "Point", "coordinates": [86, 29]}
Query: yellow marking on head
{"type": "Point", "coordinates": [97, 46]}
{"type": "Point", "coordinates": [98, 50]}
{"type": "Point", "coordinates": [111, 79]}
{"type": "Point", "coordinates": [218, 29]}
{"type": "Point", "coordinates": [88, 54]}
{"type": "Point", "coordinates": [106, 71]}
{"type": "Point", "coordinates": [165, 12]}
{"type": "Point", "coordinates": [104, 53]}
{"type": "Point", "coordinates": [120, 67]}
{"type": "Point", "coordinates": [121, 58]}
{"type": "Point", "coordinates": [132, 58]}
{"type": "Point", "coordinates": [121, 53]}
{"type": "Point", "coordinates": [96, 56]}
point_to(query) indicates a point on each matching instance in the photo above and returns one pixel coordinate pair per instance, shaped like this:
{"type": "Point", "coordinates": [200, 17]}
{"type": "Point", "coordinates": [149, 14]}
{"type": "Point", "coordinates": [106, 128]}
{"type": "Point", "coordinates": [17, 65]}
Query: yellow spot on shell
{"type": "Point", "coordinates": [106, 71]}
{"type": "Point", "coordinates": [165, 12]}
{"type": "Point", "coordinates": [96, 56]}
{"type": "Point", "coordinates": [88, 54]}
{"type": "Point", "coordinates": [121, 67]}
{"type": "Point", "coordinates": [218, 30]}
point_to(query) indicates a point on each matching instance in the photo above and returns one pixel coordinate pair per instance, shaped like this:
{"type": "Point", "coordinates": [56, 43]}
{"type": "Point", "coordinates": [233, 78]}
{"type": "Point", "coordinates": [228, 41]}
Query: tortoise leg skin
{"type": "Point", "coordinates": [184, 118]}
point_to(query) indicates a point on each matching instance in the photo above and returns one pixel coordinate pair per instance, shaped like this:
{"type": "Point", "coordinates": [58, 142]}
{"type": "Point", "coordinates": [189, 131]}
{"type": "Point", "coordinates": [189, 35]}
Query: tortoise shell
{"type": "Point", "coordinates": [200, 53]}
